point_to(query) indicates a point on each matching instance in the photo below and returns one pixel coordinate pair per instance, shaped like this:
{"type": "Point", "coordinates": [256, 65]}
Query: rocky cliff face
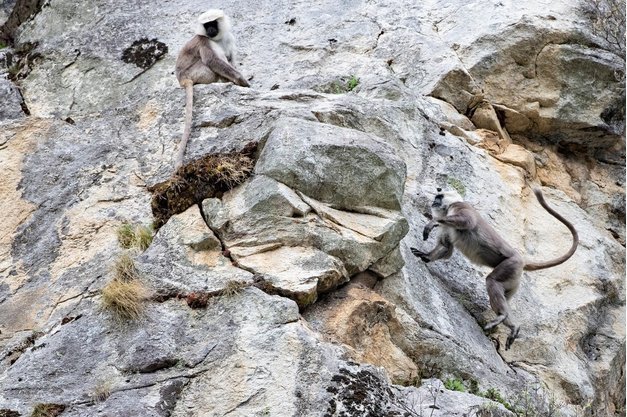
{"type": "Point", "coordinates": [294, 293]}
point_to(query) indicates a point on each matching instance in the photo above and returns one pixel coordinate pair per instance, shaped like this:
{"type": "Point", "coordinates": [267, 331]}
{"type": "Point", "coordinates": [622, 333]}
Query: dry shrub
{"type": "Point", "coordinates": [206, 177]}
{"type": "Point", "coordinates": [607, 18]}
{"type": "Point", "coordinates": [197, 299]}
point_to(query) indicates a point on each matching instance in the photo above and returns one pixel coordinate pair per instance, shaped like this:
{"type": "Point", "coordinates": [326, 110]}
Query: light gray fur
{"type": "Point", "coordinates": [204, 61]}
{"type": "Point", "coordinates": [462, 227]}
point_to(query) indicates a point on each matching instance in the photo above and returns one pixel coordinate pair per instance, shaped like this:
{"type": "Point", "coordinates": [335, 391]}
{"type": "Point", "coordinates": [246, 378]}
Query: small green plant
{"type": "Point", "coordinates": [494, 395]}
{"type": "Point", "coordinates": [2, 45]}
{"type": "Point", "coordinates": [47, 410]}
{"type": "Point", "coordinates": [352, 83]}
{"type": "Point", "coordinates": [454, 384]}
{"type": "Point", "coordinates": [473, 387]}
{"type": "Point", "coordinates": [138, 236]}
{"type": "Point", "coordinates": [533, 401]}
{"type": "Point", "coordinates": [126, 235]}
{"type": "Point", "coordinates": [457, 185]}
{"type": "Point", "coordinates": [342, 85]}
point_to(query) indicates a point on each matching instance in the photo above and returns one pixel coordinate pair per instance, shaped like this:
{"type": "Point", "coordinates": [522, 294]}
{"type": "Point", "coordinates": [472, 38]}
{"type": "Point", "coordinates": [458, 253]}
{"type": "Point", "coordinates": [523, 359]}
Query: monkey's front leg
{"type": "Point", "coordinates": [428, 228]}
{"type": "Point", "coordinates": [443, 250]}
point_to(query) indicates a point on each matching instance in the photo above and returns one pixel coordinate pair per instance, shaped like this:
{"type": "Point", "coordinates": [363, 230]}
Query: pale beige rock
{"type": "Point", "coordinates": [360, 318]}
{"type": "Point", "coordinates": [484, 117]}
{"type": "Point", "coordinates": [514, 121]}
{"type": "Point", "coordinates": [451, 115]}
{"type": "Point", "coordinates": [302, 273]}
{"type": "Point", "coordinates": [518, 156]}
{"type": "Point", "coordinates": [185, 256]}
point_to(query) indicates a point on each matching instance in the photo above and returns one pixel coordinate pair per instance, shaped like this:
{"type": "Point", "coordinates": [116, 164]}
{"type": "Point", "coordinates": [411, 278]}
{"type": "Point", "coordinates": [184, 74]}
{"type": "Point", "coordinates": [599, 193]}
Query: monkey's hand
{"type": "Point", "coordinates": [420, 254]}
{"type": "Point", "coordinates": [428, 228]}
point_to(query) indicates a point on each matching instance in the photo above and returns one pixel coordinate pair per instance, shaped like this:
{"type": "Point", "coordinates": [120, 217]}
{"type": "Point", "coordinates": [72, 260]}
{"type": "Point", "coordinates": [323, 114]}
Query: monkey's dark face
{"type": "Point", "coordinates": [442, 200]}
{"type": "Point", "coordinates": [437, 201]}
{"type": "Point", "coordinates": [212, 28]}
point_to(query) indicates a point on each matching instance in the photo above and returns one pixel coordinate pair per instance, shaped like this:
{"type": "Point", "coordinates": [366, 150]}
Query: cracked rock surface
{"type": "Point", "coordinates": [295, 293]}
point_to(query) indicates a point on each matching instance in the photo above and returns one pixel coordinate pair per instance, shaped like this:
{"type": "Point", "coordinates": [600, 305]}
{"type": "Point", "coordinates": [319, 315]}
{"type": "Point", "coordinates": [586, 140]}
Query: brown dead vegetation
{"type": "Point", "coordinates": [206, 177]}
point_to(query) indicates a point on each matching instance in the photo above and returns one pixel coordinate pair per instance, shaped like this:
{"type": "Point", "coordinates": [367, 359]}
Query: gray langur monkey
{"type": "Point", "coordinates": [207, 58]}
{"type": "Point", "coordinates": [463, 228]}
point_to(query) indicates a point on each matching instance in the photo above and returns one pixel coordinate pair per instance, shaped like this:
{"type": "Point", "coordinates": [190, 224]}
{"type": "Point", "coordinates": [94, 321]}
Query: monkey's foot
{"type": "Point", "coordinates": [420, 255]}
{"type": "Point", "coordinates": [488, 327]}
{"type": "Point", "coordinates": [512, 336]}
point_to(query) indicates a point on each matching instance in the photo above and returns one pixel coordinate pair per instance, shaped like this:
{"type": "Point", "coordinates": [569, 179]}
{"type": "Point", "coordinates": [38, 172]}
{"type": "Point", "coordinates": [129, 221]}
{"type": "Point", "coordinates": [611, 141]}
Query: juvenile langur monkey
{"type": "Point", "coordinates": [207, 58]}
{"type": "Point", "coordinates": [463, 228]}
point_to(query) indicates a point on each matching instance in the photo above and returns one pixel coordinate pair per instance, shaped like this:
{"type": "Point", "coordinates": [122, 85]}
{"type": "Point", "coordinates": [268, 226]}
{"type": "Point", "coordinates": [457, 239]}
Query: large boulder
{"type": "Point", "coordinates": [345, 168]}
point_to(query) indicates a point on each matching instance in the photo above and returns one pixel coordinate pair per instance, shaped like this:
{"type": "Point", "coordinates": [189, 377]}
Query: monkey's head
{"type": "Point", "coordinates": [443, 199]}
{"type": "Point", "coordinates": [213, 24]}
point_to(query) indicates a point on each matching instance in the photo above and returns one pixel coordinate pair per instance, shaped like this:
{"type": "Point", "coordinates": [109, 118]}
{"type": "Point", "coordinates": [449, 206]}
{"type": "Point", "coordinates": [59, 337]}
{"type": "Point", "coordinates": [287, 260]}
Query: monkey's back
{"type": "Point", "coordinates": [481, 244]}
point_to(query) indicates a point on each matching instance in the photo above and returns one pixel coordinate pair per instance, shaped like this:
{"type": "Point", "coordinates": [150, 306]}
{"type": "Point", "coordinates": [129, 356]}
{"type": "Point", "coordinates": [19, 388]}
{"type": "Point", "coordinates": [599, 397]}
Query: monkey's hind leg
{"type": "Point", "coordinates": [501, 284]}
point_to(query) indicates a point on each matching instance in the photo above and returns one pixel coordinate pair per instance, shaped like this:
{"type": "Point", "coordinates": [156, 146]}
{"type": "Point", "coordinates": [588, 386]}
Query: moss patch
{"type": "Point", "coordinates": [144, 52]}
{"type": "Point", "coordinates": [206, 177]}
{"type": "Point", "coordinates": [457, 185]}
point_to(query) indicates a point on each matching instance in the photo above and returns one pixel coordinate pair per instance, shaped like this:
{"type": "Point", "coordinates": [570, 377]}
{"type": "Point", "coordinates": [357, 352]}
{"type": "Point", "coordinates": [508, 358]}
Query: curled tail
{"type": "Point", "coordinates": [189, 104]}
{"type": "Point", "coordinates": [530, 266]}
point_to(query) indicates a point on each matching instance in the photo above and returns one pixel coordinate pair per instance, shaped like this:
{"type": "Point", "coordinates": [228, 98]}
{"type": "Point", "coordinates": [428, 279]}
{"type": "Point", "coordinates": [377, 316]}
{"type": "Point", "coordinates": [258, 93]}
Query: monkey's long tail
{"type": "Point", "coordinates": [189, 104]}
{"type": "Point", "coordinates": [542, 265]}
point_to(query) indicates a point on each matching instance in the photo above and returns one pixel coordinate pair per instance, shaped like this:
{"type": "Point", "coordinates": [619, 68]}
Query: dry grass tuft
{"type": "Point", "coordinates": [125, 293]}
{"type": "Point", "coordinates": [126, 235]}
{"type": "Point", "coordinates": [138, 236]}
{"type": "Point", "coordinates": [143, 237]}
{"type": "Point", "coordinates": [47, 410]}
{"type": "Point", "coordinates": [125, 269]}
{"type": "Point", "coordinates": [124, 299]}
{"type": "Point", "coordinates": [206, 177]}
{"type": "Point", "coordinates": [102, 391]}
{"type": "Point", "coordinates": [233, 288]}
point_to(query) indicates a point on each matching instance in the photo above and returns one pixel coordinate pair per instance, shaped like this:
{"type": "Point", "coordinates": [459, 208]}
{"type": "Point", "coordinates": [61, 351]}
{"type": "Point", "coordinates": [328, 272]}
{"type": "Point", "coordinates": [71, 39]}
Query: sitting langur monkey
{"type": "Point", "coordinates": [463, 228]}
{"type": "Point", "coordinates": [207, 58]}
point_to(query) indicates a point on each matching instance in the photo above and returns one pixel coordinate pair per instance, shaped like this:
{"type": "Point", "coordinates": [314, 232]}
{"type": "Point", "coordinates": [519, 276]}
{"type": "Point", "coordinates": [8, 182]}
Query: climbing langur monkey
{"type": "Point", "coordinates": [463, 228]}
{"type": "Point", "coordinates": [207, 58]}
